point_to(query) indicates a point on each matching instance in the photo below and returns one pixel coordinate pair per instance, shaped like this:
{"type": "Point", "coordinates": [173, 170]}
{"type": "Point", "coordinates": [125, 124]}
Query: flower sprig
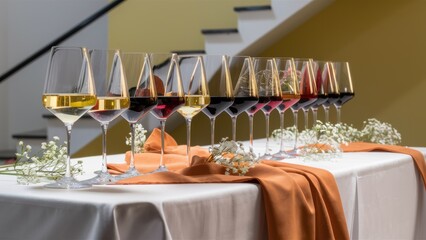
{"type": "Point", "coordinates": [140, 138]}
{"type": "Point", "coordinates": [233, 157]}
{"type": "Point", "coordinates": [47, 165]}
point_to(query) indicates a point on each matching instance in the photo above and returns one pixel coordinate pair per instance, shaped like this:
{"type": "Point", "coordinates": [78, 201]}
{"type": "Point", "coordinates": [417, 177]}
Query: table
{"type": "Point", "coordinates": [382, 194]}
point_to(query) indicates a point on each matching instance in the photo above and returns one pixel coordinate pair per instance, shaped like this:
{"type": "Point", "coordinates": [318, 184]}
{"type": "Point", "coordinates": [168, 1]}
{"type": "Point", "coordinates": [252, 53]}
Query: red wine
{"type": "Point", "coordinates": [321, 99]}
{"type": "Point", "coordinates": [344, 97]}
{"type": "Point", "coordinates": [305, 100]}
{"type": "Point", "coordinates": [139, 106]}
{"type": "Point", "coordinates": [167, 105]}
{"type": "Point", "coordinates": [273, 103]}
{"type": "Point", "coordinates": [241, 104]}
{"type": "Point", "coordinates": [332, 98]}
{"type": "Point", "coordinates": [288, 101]}
{"type": "Point", "coordinates": [217, 106]}
{"type": "Point", "coordinates": [260, 104]}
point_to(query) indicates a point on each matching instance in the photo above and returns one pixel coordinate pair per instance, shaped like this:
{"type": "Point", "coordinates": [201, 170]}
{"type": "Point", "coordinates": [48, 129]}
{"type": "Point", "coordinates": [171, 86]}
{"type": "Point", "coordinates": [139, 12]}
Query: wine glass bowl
{"type": "Point", "coordinates": [69, 92]}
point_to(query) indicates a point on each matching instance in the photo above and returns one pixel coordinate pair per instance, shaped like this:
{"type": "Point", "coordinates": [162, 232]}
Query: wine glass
{"type": "Point", "coordinates": [170, 92]}
{"type": "Point", "coordinates": [290, 96]}
{"type": "Point", "coordinates": [326, 86]}
{"type": "Point", "coordinates": [112, 99]}
{"type": "Point", "coordinates": [344, 81]}
{"type": "Point", "coordinates": [220, 88]}
{"type": "Point", "coordinates": [69, 92]}
{"type": "Point", "coordinates": [196, 92]}
{"type": "Point", "coordinates": [245, 88]}
{"type": "Point", "coordinates": [308, 92]}
{"type": "Point", "coordinates": [266, 77]}
{"type": "Point", "coordinates": [143, 97]}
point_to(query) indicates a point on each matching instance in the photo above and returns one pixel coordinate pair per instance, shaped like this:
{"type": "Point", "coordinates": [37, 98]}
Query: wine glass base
{"type": "Point", "coordinates": [131, 172]}
{"type": "Point", "coordinates": [68, 183]}
{"type": "Point", "coordinates": [282, 155]}
{"type": "Point", "coordinates": [162, 168]}
{"type": "Point", "coordinates": [266, 156]}
{"type": "Point", "coordinates": [101, 179]}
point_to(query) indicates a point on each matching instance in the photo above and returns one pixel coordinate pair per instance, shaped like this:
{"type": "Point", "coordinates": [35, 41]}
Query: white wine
{"type": "Point", "coordinates": [108, 108]}
{"type": "Point", "coordinates": [193, 105]}
{"type": "Point", "coordinates": [68, 107]}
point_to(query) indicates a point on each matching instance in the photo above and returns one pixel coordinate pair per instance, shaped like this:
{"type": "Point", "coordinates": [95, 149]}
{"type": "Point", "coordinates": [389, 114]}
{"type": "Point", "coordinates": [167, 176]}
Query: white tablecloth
{"type": "Point", "coordinates": [382, 194]}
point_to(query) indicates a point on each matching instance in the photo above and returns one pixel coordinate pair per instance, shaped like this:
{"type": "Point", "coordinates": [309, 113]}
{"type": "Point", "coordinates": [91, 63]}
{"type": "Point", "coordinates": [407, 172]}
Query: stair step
{"type": "Point", "coordinates": [189, 52]}
{"type": "Point", "coordinates": [219, 31]}
{"type": "Point", "coordinates": [252, 8]}
{"type": "Point", "coordinates": [7, 155]}
{"type": "Point", "coordinates": [35, 134]}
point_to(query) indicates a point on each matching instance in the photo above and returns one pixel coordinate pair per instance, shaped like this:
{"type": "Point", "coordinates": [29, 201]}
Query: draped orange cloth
{"type": "Point", "coordinates": [300, 202]}
{"type": "Point", "coordinates": [417, 156]}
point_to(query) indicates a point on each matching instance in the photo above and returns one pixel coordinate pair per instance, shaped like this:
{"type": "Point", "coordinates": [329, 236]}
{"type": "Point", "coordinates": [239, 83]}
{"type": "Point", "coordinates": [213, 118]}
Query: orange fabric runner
{"type": "Point", "coordinates": [417, 156]}
{"type": "Point", "coordinates": [300, 202]}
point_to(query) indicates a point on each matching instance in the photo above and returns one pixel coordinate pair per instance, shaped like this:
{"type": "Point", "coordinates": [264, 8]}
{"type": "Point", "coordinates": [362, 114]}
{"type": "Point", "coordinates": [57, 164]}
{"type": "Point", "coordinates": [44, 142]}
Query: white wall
{"type": "Point", "coordinates": [28, 26]}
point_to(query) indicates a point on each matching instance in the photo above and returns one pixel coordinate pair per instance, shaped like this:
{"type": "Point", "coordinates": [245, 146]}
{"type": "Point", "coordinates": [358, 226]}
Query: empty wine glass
{"type": "Point", "coordinates": [245, 88]}
{"type": "Point", "coordinates": [344, 81]}
{"type": "Point", "coordinates": [112, 99]}
{"type": "Point", "coordinates": [220, 88]}
{"type": "Point", "coordinates": [196, 92]}
{"type": "Point", "coordinates": [143, 97]}
{"type": "Point", "coordinates": [170, 92]}
{"type": "Point", "coordinates": [266, 77]}
{"type": "Point", "coordinates": [308, 92]}
{"type": "Point", "coordinates": [326, 86]}
{"type": "Point", "coordinates": [290, 95]}
{"type": "Point", "coordinates": [69, 92]}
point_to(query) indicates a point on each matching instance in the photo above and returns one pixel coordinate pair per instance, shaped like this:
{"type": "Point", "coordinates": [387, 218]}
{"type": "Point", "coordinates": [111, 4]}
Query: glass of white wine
{"type": "Point", "coordinates": [196, 92]}
{"type": "Point", "coordinates": [69, 92]}
{"type": "Point", "coordinates": [112, 99]}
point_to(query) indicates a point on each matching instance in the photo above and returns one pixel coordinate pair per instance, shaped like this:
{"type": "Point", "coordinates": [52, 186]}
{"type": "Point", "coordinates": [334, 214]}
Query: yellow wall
{"type": "Point", "coordinates": [384, 41]}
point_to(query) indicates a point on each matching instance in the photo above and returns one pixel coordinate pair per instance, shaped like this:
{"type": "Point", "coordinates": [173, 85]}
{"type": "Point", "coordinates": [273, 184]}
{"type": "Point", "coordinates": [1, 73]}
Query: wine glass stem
{"type": "Point", "coordinates": [68, 164]}
{"type": "Point", "coordinates": [251, 131]}
{"type": "Point", "coordinates": [295, 129]}
{"type": "Point", "coordinates": [104, 127]}
{"type": "Point", "coordinates": [305, 114]}
{"type": "Point", "coordinates": [327, 115]}
{"type": "Point", "coordinates": [234, 128]}
{"type": "Point", "coordinates": [315, 115]}
{"type": "Point", "coordinates": [267, 133]}
{"type": "Point", "coordinates": [338, 109]}
{"type": "Point", "coordinates": [282, 130]}
{"type": "Point", "coordinates": [188, 140]}
{"type": "Point", "coordinates": [163, 130]}
{"type": "Point", "coordinates": [132, 146]}
{"type": "Point", "coordinates": [212, 121]}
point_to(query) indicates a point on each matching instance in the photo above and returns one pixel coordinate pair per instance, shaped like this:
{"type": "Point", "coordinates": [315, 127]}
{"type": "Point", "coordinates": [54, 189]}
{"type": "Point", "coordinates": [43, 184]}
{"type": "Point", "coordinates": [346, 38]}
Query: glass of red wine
{"type": "Point", "coordinates": [266, 77]}
{"type": "Point", "coordinates": [170, 92]}
{"type": "Point", "coordinates": [143, 97]}
{"type": "Point", "coordinates": [112, 99]}
{"type": "Point", "coordinates": [326, 86]}
{"type": "Point", "coordinates": [245, 88]}
{"type": "Point", "coordinates": [220, 87]}
{"type": "Point", "coordinates": [344, 81]}
{"type": "Point", "coordinates": [290, 95]}
{"type": "Point", "coordinates": [308, 93]}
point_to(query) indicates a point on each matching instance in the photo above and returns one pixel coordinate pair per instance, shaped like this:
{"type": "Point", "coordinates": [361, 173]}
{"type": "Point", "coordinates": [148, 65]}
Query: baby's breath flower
{"type": "Point", "coordinates": [140, 138]}
{"type": "Point", "coordinates": [233, 157]}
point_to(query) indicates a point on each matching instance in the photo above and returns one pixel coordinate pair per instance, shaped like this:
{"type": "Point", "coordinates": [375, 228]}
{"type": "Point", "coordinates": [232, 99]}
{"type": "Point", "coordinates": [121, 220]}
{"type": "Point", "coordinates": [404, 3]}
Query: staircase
{"type": "Point", "coordinates": [258, 27]}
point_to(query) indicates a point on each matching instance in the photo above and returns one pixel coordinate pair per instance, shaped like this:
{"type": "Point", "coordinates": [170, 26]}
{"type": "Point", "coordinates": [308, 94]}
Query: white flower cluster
{"type": "Point", "coordinates": [140, 138]}
{"type": "Point", "coordinates": [232, 156]}
{"type": "Point", "coordinates": [324, 139]}
{"type": "Point", "coordinates": [49, 164]}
